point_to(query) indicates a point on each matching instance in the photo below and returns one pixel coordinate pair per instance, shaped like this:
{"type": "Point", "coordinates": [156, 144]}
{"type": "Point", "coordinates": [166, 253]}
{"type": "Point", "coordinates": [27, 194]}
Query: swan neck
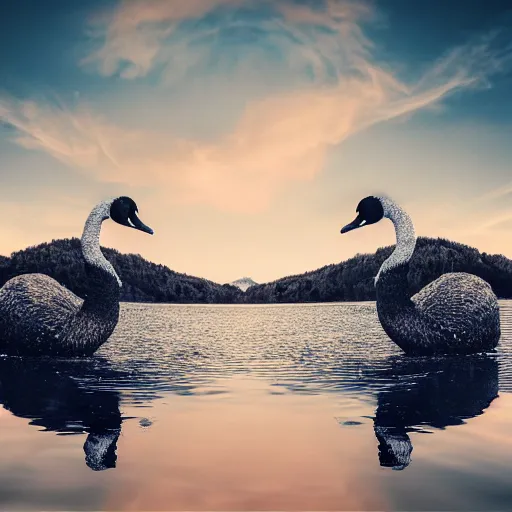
{"type": "Point", "coordinates": [90, 241]}
{"type": "Point", "coordinates": [405, 236]}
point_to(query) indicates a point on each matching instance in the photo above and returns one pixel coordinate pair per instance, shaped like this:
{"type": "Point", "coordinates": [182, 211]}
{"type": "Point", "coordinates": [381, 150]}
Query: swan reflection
{"type": "Point", "coordinates": [47, 393]}
{"type": "Point", "coordinates": [430, 393]}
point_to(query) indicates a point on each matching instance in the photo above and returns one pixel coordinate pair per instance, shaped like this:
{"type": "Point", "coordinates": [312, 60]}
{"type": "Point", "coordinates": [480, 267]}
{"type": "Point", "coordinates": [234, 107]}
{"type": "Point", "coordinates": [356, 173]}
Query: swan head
{"type": "Point", "coordinates": [123, 210]}
{"type": "Point", "coordinates": [394, 448]}
{"type": "Point", "coordinates": [369, 211]}
{"type": "Point", "coordinates": [100, 450]}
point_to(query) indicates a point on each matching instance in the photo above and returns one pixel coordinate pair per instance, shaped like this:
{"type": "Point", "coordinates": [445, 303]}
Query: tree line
{"type": "Point", "coordinates": [143, 281]}
{"type": "Point", "coordinates": [351, 280]}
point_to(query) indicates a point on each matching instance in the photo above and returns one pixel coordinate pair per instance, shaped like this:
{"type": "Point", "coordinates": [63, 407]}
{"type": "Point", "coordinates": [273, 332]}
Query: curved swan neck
{"type": "Point", "coordinates": [405, 236]}
{"type": "Point", "coordinates": [91, 240]}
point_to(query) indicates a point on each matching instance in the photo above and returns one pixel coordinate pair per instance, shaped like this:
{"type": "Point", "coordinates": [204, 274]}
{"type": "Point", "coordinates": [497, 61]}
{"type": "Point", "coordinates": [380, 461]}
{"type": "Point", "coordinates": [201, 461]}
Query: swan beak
{"type": "Point", "coordinates": [138, 224]}
{"type": "Point", "coordinates": [356, 223]}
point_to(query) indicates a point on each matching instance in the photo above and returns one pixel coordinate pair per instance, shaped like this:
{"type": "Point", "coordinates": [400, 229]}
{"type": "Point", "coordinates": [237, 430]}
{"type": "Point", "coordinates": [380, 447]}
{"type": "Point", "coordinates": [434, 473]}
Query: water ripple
{"type": "Point", "coordinates": [321, 348]}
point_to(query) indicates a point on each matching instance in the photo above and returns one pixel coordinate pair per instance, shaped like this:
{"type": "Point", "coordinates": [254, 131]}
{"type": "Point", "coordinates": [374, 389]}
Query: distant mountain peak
{"type": "Point", "coordinates": [243, 283]}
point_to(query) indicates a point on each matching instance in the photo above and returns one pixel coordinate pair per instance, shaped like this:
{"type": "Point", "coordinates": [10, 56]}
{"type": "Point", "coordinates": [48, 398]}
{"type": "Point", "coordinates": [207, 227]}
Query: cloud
{"type": "Point", "coordinates": [278, 140]}
{"type": "Point", "coordinates": [174, 37]}
{"type": "Point", "coordinates": [497, 193]}
{"type": "Point", "coordinates": [497, 220]}
{"type": "Point", "coordinates": [79, 139]}
{"type": "Point", "coordinates": [135, 32]}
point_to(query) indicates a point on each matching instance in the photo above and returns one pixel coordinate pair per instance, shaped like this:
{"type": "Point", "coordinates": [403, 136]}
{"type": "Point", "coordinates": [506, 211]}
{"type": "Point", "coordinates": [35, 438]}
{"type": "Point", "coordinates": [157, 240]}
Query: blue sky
{"type": "Point", "coordinates": [248, 131]}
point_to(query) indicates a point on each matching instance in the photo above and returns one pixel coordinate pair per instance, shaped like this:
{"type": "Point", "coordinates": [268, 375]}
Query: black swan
{"type": "Point", "coordinates": [458, 313]}
{"type": "Point", "coordinates": [38, 316]}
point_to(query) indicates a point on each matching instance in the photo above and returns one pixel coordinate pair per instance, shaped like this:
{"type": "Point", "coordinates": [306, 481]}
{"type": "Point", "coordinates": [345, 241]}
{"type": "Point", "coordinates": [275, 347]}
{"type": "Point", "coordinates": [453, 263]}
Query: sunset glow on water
{"type": "Point", "coordinates": [258, 408]}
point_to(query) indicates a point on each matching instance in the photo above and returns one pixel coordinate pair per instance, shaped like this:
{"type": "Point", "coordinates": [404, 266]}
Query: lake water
{"type": "Point", "coordinates": [304, 407]}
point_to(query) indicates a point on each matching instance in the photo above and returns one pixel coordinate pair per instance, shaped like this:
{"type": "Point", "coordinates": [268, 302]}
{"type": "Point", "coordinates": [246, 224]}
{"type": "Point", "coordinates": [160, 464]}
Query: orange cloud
{"type": "Point", "coordinates": [497, 193]}
{"type": "Point", "coordinates": [139, 35]}
{"type": "Point", "coordinates": [277, 141]}
{"type": "Point", "coordinates": [136, 30]}
{"type": "Point", "coordinates": [497, 220]}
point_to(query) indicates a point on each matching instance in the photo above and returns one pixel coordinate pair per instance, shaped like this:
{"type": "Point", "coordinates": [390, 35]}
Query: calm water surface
{"type": "Point", "coordinates": [305, 407]}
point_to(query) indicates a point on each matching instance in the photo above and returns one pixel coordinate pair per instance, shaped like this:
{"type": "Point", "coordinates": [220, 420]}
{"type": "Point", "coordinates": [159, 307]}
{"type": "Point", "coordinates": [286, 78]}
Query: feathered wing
{"type": "Point", "coordinates": [456, 295]}
{"type": "Point", "coordinates": [34, 308]}
{"type": "Point", "coordinates": [461, 305]}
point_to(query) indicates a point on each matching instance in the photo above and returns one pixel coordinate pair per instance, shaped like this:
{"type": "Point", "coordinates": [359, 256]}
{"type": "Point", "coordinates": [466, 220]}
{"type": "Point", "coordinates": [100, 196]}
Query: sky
{"type": "Point", "coordinates": [248, 130]}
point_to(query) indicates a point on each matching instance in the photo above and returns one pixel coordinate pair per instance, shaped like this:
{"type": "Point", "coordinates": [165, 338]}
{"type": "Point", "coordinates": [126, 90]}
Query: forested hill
{"type": "Point", "coordinates": [353, 280]}
{"type": "Point", "coordinates": [143, 281]}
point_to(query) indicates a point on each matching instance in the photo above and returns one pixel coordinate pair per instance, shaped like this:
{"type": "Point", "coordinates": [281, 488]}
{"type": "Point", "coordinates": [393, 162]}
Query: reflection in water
{"type": "Point", "coordinates": [45, 392]}
{"type": "Point", "coordinates": [202, 370]}
{"type": "Point", "coordinates": [430, 392]}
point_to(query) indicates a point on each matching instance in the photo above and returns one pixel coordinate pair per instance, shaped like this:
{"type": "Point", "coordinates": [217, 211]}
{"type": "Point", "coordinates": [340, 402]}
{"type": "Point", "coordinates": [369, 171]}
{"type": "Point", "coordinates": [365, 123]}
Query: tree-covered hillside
{"type": "Point", "coordinates": [143, 281]}
{"type": "Point", "coordinates": [351, 280]}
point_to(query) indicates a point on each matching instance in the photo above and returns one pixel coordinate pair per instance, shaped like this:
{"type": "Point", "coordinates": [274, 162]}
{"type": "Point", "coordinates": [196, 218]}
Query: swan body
{"type": "Point", "coordinates": [458, 313]}
{"type": "Point", "coordinates": [38, 316]}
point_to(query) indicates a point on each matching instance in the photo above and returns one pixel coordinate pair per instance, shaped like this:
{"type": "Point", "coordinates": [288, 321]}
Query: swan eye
{"type": "Point", "coordinates": [131, 223]}
{"type": "Point", "coordinates": [363, 222]}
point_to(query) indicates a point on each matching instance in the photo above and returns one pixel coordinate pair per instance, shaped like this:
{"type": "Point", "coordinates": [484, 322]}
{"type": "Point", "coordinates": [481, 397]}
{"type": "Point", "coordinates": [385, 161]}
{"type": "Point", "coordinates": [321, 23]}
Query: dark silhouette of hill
{"type": "Point", "coordinates": [143, 281]}
{"type": "Point", "coordinates": [351, 280]}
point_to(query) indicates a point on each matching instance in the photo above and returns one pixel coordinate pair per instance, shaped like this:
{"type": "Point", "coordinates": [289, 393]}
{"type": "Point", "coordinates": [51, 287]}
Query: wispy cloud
{"type": "Point", "coordinates": [277, 140]}
{"type": "Point", "coordinates": [493, 222]}
{"type": "Point", "coordinates": [496, 193]}
{"type": "Point", "coordinates": [79, 139]}
{"type": "Point", "coordinates": [136, 32]}
{"type": "Point", "coordinates": [139, 36]}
